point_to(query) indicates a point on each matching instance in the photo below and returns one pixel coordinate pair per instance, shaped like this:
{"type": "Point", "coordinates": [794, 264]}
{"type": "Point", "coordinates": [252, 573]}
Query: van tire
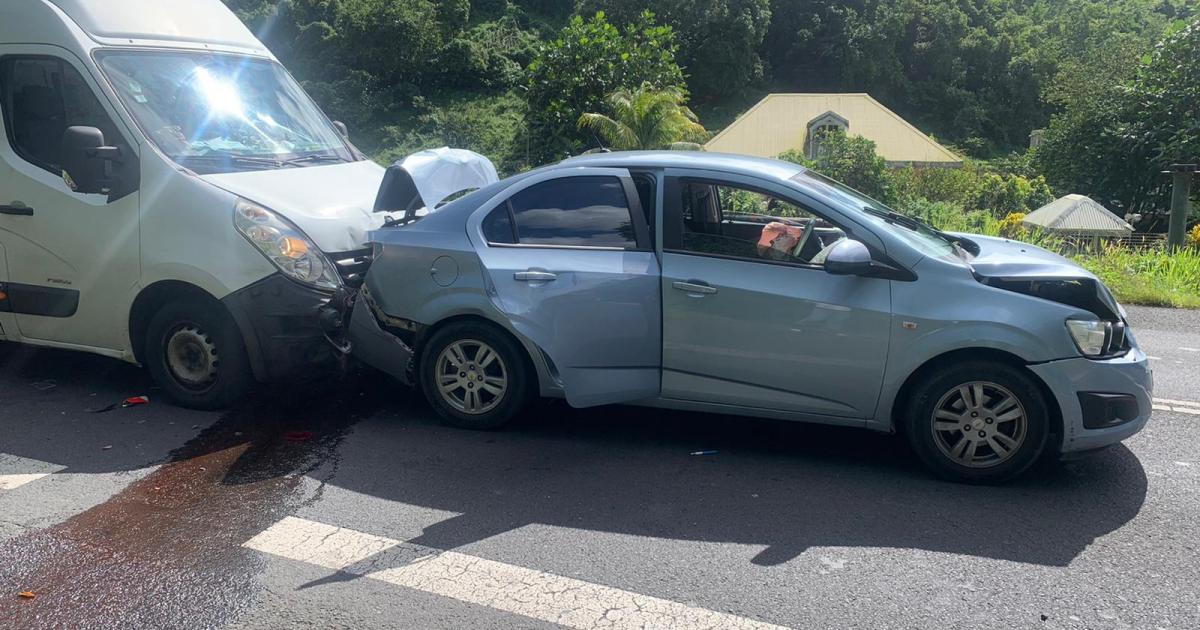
{"type": "Point", "coordinates": [195, 353]}
{"type": "Point", "coordinates": [948, 426]}
{"type": "Point", "coordinates": [509, 364]}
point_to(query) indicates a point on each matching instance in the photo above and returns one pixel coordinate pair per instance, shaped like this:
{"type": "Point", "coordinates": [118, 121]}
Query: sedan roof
{"type": "Point", "coordinates": [727, 162]}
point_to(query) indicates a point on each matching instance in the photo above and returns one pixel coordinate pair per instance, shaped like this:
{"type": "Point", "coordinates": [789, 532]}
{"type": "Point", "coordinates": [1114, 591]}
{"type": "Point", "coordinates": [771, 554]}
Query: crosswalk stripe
{"type": "Point", "coordinates": [12, 482]}
{"type": "Point", "coordinates": [534, 594]}
{"type": "Point", "coordinates": [17, 471]}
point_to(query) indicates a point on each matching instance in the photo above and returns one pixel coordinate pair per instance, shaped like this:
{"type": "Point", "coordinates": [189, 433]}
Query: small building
{"type": "Point", "coordinates": [782, 122]}
{"type": "Point", "coordinates": [1077, 215]}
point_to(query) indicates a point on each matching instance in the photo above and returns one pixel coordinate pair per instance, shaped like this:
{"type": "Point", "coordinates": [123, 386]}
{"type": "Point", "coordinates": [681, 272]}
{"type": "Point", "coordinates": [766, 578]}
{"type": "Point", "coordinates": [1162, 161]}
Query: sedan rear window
{"type": "Point", "coordinates": [574, 212]}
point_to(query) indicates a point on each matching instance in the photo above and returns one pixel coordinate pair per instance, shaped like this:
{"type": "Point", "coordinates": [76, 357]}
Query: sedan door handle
{"type": "Point", "coordinates": [695, 286]}
{"type": "Point", "coordinates": [532, 275]}
{"type": "Point", "coordinates": [17, 209]}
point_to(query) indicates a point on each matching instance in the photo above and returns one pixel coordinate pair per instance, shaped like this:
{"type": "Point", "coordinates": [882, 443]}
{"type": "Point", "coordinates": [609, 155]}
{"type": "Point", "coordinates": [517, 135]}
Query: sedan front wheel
{"type": "Point", "coordinates": [978, 422]}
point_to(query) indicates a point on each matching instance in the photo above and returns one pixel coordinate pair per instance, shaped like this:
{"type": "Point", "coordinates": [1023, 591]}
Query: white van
{"type": "Point", "coordinates": [169, 195]}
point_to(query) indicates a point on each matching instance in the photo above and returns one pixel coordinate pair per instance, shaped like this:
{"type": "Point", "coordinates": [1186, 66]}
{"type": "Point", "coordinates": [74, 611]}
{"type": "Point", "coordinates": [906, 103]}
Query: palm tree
{"type": "Point", "coordinates": [647, 118]}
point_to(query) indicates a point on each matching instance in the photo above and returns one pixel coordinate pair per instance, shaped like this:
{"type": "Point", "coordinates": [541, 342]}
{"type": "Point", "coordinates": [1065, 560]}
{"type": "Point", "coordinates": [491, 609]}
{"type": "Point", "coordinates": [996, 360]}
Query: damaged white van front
{"type": "Point", "coordinates": [169, 195]}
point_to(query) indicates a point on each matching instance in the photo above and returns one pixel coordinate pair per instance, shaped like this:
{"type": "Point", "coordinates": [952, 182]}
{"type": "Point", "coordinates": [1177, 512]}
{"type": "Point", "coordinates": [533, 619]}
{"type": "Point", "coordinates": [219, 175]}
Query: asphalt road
{"type": "Point", "coordinates": [344, 504]}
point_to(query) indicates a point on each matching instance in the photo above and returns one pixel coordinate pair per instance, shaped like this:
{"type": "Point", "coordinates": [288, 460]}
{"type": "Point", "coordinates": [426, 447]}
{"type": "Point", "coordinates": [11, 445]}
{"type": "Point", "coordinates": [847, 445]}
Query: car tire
{"type": "Point", "coordinates": [474, 376]}
{"type": "Point", "coordinates": [195, 353]}
{"type": "Point", "coordinates": [978, 422]}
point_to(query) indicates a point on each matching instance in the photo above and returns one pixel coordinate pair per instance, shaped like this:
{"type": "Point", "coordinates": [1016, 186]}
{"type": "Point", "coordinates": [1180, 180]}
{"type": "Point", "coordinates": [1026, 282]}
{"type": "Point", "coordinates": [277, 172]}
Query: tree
{"type": "Point", "coordinates": [1117, 132]}
{"type": "Point", "coordinates": [853, 161]}
{"type": "Point", "coordinates": [589, 60]}
{"type": "Point", "coordinates": [645, 118]}
{"type": "Point", "coordinates": [718, 39]}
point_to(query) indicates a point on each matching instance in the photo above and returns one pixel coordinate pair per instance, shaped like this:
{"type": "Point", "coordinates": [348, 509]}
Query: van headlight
{"type": "Point", "coordinates": [1091, 335]}
{"type": "Point", "coordinates": [285, 246]}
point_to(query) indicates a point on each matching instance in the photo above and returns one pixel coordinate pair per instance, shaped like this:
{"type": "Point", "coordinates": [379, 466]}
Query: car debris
{"type": "Point", "coordinates": [132, 401]}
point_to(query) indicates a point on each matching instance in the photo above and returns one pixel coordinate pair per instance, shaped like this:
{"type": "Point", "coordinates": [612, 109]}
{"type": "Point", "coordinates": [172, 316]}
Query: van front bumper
{"type": "Point", "coordinates": [1102, 402]}
{"type": "Point", "coordinates": [279, 324]}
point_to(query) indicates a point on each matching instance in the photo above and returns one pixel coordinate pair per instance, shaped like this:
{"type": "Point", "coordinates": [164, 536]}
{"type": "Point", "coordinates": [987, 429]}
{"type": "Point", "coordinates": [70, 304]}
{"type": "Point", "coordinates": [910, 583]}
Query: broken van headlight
{"type": "Point", "coordinates": [1091, 335]}
{"type": "Point", "coordinates": [284, 245]}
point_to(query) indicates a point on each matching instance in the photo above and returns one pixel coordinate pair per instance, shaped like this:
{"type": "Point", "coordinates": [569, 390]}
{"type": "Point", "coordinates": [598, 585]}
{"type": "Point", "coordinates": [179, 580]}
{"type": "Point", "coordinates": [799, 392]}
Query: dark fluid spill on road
{"type": "Point", "coordinates": [166, 551]}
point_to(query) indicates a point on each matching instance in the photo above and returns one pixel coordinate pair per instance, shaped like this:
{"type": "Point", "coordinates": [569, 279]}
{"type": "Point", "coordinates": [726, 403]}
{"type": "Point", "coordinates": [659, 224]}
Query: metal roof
{"type": "Point", "coordinates": [1077, 214]}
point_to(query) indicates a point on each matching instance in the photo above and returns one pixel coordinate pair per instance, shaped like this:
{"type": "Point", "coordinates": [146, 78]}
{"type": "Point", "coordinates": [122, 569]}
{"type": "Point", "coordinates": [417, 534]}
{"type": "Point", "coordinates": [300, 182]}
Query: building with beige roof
{"type": "Point", "coordinates": [781, 122]}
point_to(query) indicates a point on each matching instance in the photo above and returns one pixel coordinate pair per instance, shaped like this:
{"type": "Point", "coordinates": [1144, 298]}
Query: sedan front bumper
{"type": "Point", "coordinates": [1121, 377]}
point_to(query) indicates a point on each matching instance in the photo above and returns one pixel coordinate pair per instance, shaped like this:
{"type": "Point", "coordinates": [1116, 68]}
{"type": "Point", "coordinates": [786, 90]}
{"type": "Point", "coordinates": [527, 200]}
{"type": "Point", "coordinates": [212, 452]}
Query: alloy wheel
{"type": "Point", "coordinates": [471, 376]}
{"type": "Point", "coordinates": [979, 424]}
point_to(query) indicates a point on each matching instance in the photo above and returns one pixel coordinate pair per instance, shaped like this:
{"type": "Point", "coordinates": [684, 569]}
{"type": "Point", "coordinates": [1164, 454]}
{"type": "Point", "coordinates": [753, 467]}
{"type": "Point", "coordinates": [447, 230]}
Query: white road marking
{"type": "Point", "coordinates": [1177, 406]}
{"type": "Point", "coordinates": [1187, 349]}
{"type": "Point", "coordinates": [1149, 356]}
{"type": "Point", "coordinates": [534, 594]}
{"type": "Point", "coordinates": [17, 471]}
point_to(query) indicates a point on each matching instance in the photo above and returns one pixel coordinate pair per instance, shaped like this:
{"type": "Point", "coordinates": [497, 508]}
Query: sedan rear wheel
{"type": "Point", "coordinates": [471, 376]}
{"type": "Point", "coordinates": [474, 375]}
{"type": "Point", "coordinates": [978, 422]}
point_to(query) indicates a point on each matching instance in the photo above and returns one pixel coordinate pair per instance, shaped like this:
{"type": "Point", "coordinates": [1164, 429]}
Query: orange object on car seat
{"type": "Point", "coordinates": [780, 237]}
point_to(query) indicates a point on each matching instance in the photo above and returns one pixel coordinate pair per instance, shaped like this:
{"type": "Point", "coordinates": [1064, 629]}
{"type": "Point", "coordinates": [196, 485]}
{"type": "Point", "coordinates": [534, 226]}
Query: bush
{"type": "Point", "coordinates": [853, 161]}
{"type": "Point", "coordinates": [589, 60]}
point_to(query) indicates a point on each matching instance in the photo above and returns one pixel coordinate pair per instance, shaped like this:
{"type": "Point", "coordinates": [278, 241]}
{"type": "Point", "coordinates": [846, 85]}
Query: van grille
{"type": "Point", "coordinates": [352, 265]}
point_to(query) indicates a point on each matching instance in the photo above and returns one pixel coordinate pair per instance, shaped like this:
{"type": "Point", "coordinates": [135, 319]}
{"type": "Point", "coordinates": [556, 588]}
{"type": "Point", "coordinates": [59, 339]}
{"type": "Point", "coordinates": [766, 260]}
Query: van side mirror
{"type": "Point", "coordinates": [87, 164]}
{"type": "Point", "coordinates": [848, 258]}
{"type": "Point", "coordinates": [342, 129]}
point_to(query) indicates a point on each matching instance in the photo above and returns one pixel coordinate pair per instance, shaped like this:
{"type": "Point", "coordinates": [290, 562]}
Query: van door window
{"type": "Point", "coordinates": [41, 97]}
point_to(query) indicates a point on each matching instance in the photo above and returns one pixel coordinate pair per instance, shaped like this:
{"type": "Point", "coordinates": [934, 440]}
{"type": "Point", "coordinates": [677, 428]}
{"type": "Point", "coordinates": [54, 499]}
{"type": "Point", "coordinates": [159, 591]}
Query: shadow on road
{"type": "Point", "coordinates": [784, 486]}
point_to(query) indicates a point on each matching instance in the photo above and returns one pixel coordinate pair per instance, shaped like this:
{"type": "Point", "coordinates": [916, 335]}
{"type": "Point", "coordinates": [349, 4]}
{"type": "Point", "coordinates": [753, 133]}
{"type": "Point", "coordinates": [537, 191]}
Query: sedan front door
{"type": "Point", "coordinates": [573, 269]}
{"type": "Point", "coordinates": [750, 316]}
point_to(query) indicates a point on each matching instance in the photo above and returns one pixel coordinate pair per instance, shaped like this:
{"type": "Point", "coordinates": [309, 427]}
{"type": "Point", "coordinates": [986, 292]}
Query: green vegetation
{"type": "Point", "coordinates": [645, 119]}
{"type": "Point", "coordinates": [1114, 83]}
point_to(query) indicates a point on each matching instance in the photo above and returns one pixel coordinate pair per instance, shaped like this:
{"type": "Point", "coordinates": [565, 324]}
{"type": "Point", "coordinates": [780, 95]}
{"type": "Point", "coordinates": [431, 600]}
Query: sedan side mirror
{"type": "Point", "coordinates": [848, 258]}
{"type": "Point", "coordinates": [87, 164]}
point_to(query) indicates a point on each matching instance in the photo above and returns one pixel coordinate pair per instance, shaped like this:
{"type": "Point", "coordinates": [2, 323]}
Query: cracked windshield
{"type": "Point", "coordinates": [223, 113]}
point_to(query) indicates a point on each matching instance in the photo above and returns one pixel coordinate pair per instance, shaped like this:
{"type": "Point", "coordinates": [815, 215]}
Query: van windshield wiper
{"type": "Point", "coordinates": [314, 157]}
{"type": "Point", "coordinates": [231, 158]}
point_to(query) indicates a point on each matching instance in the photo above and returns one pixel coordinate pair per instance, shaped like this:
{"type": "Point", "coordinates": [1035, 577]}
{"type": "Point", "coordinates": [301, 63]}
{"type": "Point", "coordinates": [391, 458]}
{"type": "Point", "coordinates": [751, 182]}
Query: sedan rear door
{"type": "Point", "coordinates": [572, 266]}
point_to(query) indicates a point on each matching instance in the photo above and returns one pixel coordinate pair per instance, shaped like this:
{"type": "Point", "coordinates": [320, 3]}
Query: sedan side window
{"type": "Point", "coordinates": [587, 211]}
{"type": "Point", "coordinates": [730, 221]}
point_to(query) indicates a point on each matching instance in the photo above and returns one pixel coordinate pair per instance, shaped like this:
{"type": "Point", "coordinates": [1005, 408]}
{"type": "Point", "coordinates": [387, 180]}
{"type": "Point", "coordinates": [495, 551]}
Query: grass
{"type": "Point", "coordinates": [1153, 277]}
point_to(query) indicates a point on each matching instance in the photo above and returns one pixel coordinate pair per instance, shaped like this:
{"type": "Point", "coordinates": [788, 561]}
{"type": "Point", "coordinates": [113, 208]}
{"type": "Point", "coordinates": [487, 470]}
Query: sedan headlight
{"type": "Point", "coordinates": [284, 245]}
{"type": "Point", "coordinates": [1091, 335]}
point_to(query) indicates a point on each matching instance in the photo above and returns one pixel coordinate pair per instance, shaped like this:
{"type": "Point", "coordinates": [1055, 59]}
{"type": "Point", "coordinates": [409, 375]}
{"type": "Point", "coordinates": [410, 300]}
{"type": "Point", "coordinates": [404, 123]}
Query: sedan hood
{"type": "Point", "coordinates": [330, 203]}
{"type": "Point", "coordinates": [1004, 258]}
{"type": "Point", "coordinates": [1024, 268]}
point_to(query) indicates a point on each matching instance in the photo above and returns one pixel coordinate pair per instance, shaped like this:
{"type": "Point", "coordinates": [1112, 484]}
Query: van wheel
{"type": "Point", "coordinates": [978, 422]}
{"type": "Point", "coordinates": [196, 355]}
{"type": "Point", "coordinates": [474, 376]}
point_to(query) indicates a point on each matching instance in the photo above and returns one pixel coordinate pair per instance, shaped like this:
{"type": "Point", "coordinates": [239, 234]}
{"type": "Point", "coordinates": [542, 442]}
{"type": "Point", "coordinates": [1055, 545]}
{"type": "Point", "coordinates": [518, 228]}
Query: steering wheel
{"type": "Point", "coordinates": [809, 227]}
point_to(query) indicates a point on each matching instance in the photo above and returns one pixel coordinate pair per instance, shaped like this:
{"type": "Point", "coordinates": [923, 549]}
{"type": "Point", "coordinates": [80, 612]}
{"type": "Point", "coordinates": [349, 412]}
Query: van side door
{"type": "Point", "coordinates": [73, 259]}
{"type": "Point", "coordinates": [572, 265]}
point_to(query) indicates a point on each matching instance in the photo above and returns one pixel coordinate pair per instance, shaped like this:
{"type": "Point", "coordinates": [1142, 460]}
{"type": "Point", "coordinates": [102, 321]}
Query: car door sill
{"type": "Point", "coordinates": [756, 412]}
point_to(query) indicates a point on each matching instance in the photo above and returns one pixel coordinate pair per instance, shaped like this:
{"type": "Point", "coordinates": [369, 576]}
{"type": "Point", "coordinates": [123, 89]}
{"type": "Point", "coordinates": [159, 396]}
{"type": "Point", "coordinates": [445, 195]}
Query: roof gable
{"type": "Point", "coordinates": [780, 122]}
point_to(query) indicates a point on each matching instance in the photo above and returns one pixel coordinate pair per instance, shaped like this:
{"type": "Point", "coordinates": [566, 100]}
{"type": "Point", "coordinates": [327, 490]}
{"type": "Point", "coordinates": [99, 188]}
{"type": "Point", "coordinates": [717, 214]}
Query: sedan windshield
{"type": "Point", "coordinates": [216, 113]}
{"type": "Point", "coordinates": [918, 234]}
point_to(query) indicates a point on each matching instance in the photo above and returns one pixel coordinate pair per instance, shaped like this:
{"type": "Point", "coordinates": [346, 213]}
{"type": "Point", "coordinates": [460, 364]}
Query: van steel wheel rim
{"type": "Point", "coordinates": [979, 424]}
{"type": "Point", "coordinates": [192, 357]}
{"type": "Point", "coordinates": [471, 376]}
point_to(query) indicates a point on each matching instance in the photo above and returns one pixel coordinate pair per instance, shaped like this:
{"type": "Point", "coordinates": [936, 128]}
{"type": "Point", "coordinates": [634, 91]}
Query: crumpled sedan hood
{"type": "Point", "coordinates": [330, 203]}
{"type": "Point", "coordinates": [1004, 258]}
{"type": "Point", "coordinates": [1024, 268]}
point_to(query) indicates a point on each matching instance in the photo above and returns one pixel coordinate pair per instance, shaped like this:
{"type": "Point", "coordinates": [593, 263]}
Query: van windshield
{"type": "Point", "coordinates": [216, 113]}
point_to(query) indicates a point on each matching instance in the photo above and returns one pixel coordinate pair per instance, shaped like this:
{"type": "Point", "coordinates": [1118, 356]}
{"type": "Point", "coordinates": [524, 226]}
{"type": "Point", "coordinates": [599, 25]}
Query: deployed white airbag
{"type": "Point", "coordinates": [439, 173]}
